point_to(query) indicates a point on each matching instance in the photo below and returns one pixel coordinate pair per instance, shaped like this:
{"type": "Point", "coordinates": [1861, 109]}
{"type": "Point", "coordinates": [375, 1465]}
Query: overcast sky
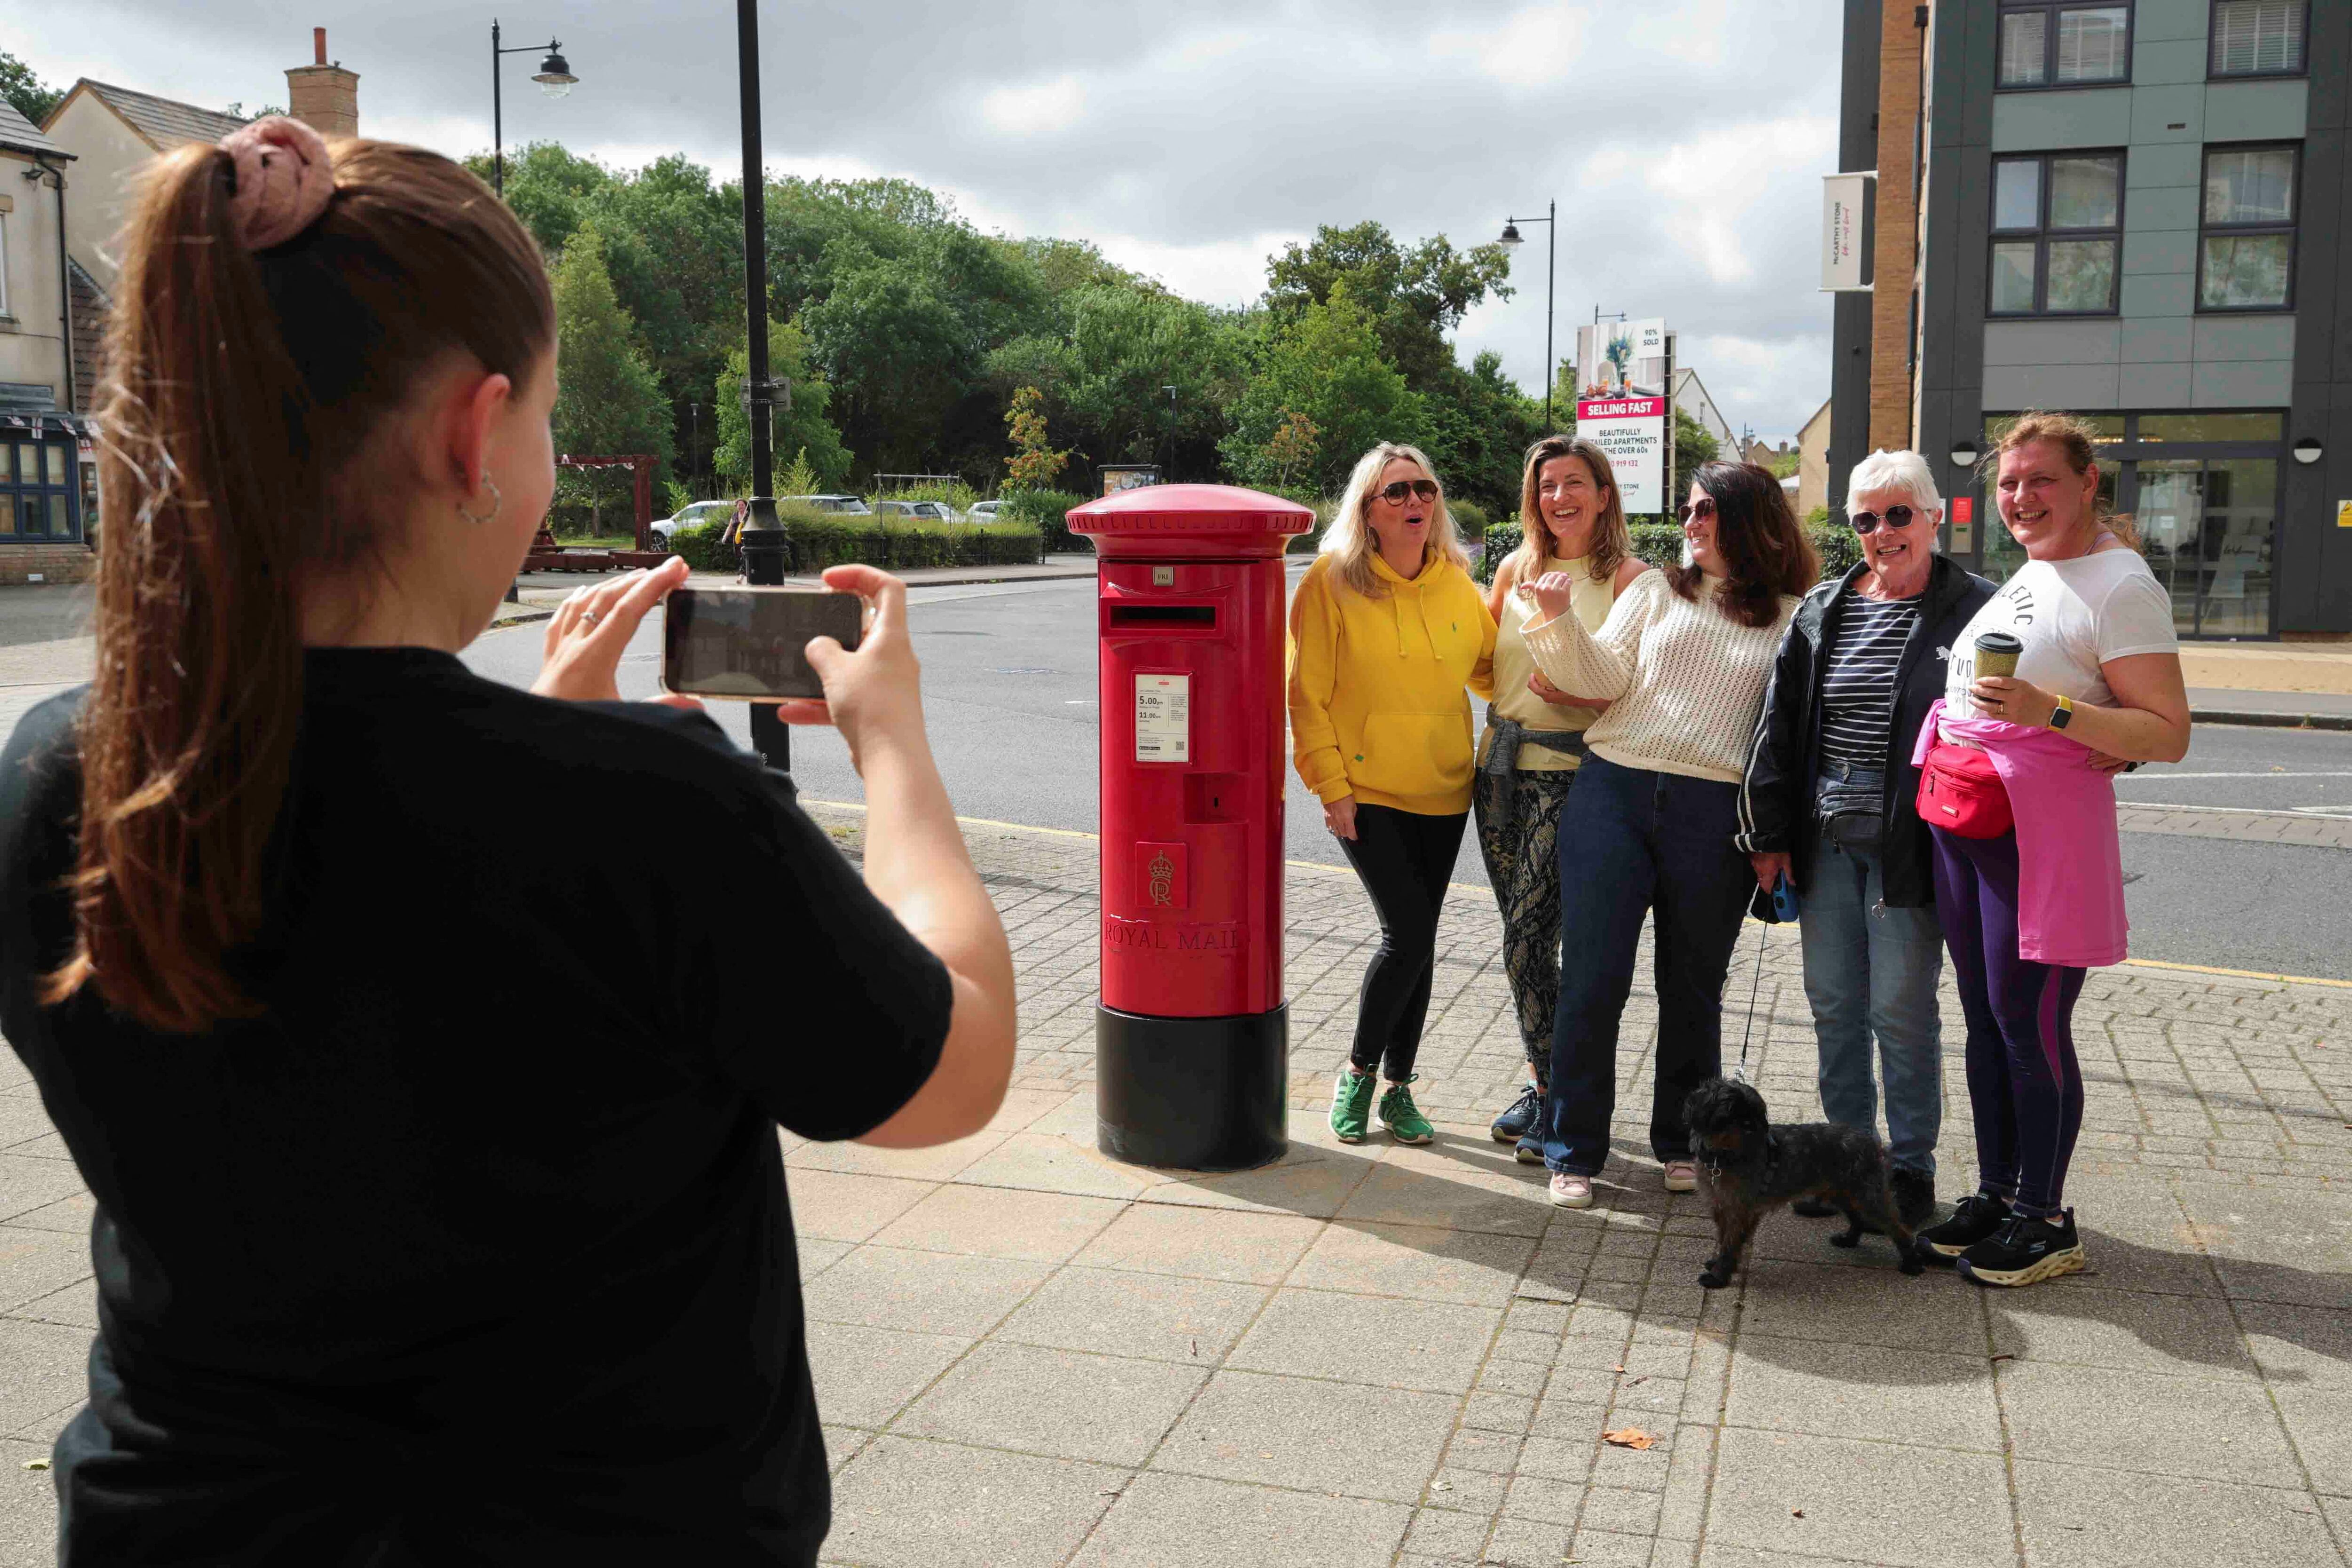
{"type": "Point", "coordinates": [1683, 139]}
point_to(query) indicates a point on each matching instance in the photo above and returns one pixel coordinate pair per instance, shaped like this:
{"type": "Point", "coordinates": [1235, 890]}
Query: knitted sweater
{"type": "Point", "coordinates": [1684, 681]}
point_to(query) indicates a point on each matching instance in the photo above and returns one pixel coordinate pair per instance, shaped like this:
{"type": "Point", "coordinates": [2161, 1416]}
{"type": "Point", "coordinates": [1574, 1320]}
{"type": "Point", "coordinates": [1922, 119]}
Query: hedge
{"type": "Point", "coordinates": [823, 539]}
{"type": "Point", "coordinates": [1042, 509]}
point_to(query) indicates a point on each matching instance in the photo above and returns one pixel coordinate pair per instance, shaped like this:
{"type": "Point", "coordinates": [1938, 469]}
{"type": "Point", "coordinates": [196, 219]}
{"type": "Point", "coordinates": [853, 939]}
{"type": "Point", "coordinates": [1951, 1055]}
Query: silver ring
{"type": "Point", "coordinates": [587, 618]}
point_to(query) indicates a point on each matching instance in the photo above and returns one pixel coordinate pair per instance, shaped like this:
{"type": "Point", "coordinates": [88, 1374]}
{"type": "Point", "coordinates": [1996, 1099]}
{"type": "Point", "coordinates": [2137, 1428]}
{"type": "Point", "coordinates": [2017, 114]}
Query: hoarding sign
{"type": "Point", "coordinates": [1621, 359]}
{"type": "Point", "coordinates": [1633, 431]}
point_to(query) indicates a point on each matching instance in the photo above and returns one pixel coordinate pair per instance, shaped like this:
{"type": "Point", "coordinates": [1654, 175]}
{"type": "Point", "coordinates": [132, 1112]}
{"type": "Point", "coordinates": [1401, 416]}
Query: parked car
{"type": "Point", "coordinates": [686, 516]}
{"type": "Point", "coordinates": [985, 511]}
{"type": "Point", "coordinates": [919, 510]}
{"type": "Point", "coordinates": [838, 503]}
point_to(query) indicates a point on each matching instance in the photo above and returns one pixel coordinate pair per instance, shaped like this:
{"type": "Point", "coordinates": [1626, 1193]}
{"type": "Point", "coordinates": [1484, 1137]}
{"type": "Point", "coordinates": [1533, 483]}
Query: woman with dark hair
{"type": "Point", "coordinates": [1682, 661]}
{"type": "Point", "coordinates": [1572, 520]}
{"type": "Point", "coordinates": [426, 1231]}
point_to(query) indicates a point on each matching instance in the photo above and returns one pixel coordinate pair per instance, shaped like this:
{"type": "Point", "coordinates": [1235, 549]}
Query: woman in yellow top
{"type": "Point", "coordinates": [1572, 521]}
{"type": "Point", "coordinates": [1387, 631]}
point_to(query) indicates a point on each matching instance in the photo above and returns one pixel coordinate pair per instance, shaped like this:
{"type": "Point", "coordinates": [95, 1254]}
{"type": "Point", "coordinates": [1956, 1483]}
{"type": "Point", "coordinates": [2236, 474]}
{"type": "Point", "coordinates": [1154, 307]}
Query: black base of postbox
{"type": "Point", "coordinates": [1192, 1094]}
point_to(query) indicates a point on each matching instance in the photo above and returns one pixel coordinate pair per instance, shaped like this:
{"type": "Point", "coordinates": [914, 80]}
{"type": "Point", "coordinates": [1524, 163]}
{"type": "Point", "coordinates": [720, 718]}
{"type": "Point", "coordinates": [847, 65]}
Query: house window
{"type": "Point", "coordinates": [2046, 45]}
{"type": "Point", "coordinates": [36, 484]}
{"type": "Point", "coordinates": [2057, 227]}
{"type": "Point", "coordinates": [4, 264]}
{"type": "Point", "coordinates": [2258, 38]}
{"type": "Point", "coordinates": [2245, 251]}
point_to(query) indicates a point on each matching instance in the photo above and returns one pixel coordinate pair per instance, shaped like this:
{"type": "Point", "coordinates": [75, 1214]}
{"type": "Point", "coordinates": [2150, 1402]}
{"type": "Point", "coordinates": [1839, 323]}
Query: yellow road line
{"type": "Point", "coordinates": [1473, 887]}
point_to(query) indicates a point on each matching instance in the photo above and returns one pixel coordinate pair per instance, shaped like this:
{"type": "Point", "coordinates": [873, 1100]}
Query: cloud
{"type": "Point", "coordinates": [1683, 139]}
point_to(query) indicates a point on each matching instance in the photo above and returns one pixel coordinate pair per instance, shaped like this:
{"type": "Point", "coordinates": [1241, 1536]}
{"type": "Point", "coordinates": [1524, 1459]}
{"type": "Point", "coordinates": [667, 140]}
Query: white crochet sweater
{"type": "Point", "coordinates": [1684, 681]}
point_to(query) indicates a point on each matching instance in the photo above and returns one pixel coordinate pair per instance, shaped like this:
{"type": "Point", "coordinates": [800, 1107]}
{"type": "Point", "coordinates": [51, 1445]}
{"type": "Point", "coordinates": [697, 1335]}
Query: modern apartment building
{"type": "Point", "coordinates": [2134, 210]}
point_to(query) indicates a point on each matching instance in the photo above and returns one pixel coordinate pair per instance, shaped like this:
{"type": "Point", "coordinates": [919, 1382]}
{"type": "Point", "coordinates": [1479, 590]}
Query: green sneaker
{"type": "Point", "coordinates": [1351, 1104]}
{"type": "Point", "coordinates": [1402, 1118]}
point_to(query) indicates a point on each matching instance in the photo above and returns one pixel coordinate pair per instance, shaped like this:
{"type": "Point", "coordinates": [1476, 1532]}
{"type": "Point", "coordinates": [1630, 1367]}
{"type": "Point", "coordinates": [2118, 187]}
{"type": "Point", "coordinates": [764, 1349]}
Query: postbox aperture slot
{"type": "Point", "coordinates": [1133, 614]}
{"type": "Point", "coordinates": [1216, 797]}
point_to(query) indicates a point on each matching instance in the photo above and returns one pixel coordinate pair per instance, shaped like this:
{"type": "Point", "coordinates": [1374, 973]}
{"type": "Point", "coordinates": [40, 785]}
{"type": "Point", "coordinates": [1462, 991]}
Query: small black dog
{"type": "Point", "coordinates": [1752, 1165]}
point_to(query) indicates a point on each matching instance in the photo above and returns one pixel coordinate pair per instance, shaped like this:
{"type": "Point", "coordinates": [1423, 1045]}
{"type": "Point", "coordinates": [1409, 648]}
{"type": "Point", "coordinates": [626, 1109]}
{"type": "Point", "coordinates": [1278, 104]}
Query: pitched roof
{"type": "Point", "coordinates": [164, 121]}
{"type": "Point", "coordinates": [89, 308]}
{"type": "Point", "coordinates": [22, 134]}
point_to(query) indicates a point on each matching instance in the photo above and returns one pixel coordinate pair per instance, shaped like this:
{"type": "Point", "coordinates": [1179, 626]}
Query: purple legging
{"type": "Point", "coordinates": [2024, 1086]}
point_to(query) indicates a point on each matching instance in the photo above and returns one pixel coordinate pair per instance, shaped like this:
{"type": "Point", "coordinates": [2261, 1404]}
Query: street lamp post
{"type": "Point", "coordinates": [766, 551]}
{"type": "Point", "coordinates": [1511, 241]}
{"type": "Point", "coordinates": [555, 77]}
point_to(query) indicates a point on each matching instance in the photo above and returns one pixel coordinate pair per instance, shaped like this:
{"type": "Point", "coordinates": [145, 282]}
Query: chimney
{"type": "Point", "coordinates": [324, 96]}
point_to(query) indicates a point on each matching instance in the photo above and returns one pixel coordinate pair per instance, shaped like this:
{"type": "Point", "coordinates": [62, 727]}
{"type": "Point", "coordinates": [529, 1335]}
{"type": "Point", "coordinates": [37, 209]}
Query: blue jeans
{"type": "Point", "coordinates": [1633, 842]}
{"type": "Point", "coordinates": [1873, 970]}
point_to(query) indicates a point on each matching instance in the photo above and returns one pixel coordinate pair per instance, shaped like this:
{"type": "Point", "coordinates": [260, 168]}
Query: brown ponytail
{"type": "Point", "coordinates": [237, 460]}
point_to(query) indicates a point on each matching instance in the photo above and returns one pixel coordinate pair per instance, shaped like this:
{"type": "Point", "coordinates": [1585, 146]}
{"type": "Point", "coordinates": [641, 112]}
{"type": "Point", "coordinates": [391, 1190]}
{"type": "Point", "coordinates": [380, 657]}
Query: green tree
{"type": "Point", "coordinates": [1326, 364]}
{"type": "Point", "coordinates": [1033, 464]}
{"type": "Point", "coordinates": [1109, 372]}
{"type": "Point", "coordinates": [608, 400]}
{"type": "Point", "coordinates": [1480, 423]}
{"type": "Point", "coordinates": [1292, 445]}
{"type": "Point", "coordinates": [1414, 296]}
{"type": "Point", "coordinates": [25, 91]}
{"type": "Point", "coordinates": [1694, 444]}
{"type": "Point", "coordinates": [806, 427]}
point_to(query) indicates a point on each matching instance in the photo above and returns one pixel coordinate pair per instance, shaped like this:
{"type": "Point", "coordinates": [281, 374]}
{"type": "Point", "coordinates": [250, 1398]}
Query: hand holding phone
{"type": "Point", "coordinates": [874, 695]}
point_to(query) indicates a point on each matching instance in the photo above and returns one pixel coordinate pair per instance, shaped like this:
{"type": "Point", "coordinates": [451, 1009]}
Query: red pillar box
{"type": "Point", "coordinates": [1192, 1035]}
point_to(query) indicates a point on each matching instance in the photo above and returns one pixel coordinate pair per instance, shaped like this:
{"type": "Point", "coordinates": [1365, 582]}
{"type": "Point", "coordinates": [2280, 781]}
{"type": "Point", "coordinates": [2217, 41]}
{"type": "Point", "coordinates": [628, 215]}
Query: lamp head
{"type": "Point", "coordinates": [1964, 454]}
{"type": "Point", "coordinates": [1510, 240]}
{"type": "Point", "coordinates": [2308, 450]}
{"type": "Point", "coordinates": [555, 76]}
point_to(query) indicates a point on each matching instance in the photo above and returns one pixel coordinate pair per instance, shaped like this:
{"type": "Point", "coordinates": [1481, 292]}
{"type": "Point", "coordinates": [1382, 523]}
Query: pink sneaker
{"type": "Point", "coordinates": [1681, 1176]}
{"type": "Point", "coordinates": [1569, 1190]}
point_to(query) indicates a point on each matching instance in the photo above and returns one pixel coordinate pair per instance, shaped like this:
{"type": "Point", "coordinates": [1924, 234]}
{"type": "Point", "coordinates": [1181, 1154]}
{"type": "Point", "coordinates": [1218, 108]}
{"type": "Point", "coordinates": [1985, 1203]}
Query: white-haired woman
{"type": "Point", "coordinates": [1388, 635]}
{"type": "Point", "coordinates": [1828, 803]}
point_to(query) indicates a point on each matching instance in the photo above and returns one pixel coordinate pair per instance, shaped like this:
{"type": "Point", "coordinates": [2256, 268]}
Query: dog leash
{"type": "Point", "coordinates": [1740, 1073]}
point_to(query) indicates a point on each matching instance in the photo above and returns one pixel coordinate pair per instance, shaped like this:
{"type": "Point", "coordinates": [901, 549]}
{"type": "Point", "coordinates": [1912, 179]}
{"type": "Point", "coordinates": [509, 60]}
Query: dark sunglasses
{"type": "Point", "coordinates": [1893, 516]}
{"type": "Point", "coordinates": [1394, 494]}
{"type": "Point", "coordinates": [1703, 507]}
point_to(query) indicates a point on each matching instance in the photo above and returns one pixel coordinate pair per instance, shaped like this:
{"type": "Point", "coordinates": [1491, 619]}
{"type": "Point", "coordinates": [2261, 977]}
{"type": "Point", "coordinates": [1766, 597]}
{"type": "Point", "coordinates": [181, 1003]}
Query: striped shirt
{"type": "Point", "coordinates": [1858, 678]}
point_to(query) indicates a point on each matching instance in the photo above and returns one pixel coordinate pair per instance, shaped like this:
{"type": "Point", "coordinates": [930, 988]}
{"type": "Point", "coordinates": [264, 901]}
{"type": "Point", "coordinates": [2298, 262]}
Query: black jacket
{"type": "Point", "coordinates": [1776, 800]}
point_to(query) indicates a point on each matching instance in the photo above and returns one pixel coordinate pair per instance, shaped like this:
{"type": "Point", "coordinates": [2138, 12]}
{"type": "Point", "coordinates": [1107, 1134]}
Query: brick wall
{"type": "Point", "coordinates": [1895, 259]}
{"type": "Point", "coordinates": [53, 563]}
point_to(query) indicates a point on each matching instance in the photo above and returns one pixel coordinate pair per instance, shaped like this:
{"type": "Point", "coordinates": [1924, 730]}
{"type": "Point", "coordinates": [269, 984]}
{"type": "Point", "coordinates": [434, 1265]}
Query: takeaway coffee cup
{"type": "Point", "coordinates": [1997, 654]}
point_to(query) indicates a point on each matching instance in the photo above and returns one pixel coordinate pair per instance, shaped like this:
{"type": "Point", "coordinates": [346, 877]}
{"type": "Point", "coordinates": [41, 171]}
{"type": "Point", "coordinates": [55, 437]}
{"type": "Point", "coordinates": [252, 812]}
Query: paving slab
{"type": "Point", "coordinates": [1160, 1520]}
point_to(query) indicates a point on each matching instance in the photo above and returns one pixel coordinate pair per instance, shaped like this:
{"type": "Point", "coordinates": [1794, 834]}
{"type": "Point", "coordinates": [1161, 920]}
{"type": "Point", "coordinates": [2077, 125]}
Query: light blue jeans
{"type": "Point", "coordinates": [1870, 970]}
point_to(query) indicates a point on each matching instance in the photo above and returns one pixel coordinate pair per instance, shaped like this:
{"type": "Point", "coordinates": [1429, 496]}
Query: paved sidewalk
{"type": "Point", "coordinates": [1027, 1355]}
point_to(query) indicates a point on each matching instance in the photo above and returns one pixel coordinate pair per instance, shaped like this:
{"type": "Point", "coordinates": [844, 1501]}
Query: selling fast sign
{"type": "Point", "coordinates": [1633, 431]}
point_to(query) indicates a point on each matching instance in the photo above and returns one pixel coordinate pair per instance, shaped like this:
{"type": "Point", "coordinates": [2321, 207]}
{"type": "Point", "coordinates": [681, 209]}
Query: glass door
{"type": "Point", "coordinates": [2206, 526]}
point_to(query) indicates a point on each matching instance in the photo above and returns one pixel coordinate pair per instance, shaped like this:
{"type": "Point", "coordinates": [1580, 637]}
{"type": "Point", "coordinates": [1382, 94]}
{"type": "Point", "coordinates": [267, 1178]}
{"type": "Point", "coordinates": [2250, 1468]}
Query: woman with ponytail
{"type": "Point", "coordinates": [439, 1212]}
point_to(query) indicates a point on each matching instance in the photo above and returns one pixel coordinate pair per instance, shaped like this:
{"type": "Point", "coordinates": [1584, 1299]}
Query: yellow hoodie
{"type": "Point", "coordinates": [1377, 708]}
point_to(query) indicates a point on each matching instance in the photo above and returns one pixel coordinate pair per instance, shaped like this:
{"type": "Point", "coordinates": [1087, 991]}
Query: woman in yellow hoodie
{"type": "Point", "coordinates": [1388, 635]}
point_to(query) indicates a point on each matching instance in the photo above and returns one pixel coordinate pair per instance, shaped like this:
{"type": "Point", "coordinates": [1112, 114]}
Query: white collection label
{"type": "Point", "coordinates": [1163, 718]}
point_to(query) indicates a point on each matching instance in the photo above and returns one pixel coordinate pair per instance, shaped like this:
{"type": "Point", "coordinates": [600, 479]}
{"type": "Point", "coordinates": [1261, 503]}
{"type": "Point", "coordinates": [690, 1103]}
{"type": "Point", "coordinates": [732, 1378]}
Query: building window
{"type": "Point", "coordinates": [37, 483]}
{"type": "Point", "coordinates": [2057, 227]}
{"type": "Point", "coordinates": [2245, 251]}
{"type": "Point", "coordinates": [4, 264]}
{"type": "Point", "coordinates": [2046, 45]}
{"type": "Point", "coordinates": [2258, 38]}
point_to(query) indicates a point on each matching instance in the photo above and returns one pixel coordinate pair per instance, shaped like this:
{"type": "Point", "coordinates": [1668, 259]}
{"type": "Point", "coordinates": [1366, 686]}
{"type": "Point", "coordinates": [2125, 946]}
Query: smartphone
{"type": "Point", "coordinates": [746, 643]}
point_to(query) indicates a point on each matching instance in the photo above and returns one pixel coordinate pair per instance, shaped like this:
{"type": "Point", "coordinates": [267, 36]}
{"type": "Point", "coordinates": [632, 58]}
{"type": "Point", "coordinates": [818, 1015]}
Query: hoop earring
{"type": "Point", "coordinates": [496, 501]}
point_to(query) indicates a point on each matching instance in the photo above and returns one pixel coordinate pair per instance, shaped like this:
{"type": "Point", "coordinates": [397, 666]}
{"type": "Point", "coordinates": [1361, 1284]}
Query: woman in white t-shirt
{"type": "Point", "coordinates": [2027, 910]}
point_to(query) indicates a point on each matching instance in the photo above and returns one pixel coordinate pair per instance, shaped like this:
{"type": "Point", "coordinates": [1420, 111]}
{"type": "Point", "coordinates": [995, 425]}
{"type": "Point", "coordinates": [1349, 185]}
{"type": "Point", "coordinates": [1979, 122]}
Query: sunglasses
{"type": "Point", "coordinates": [1892, 516]}
{"type": "Point", "coordinates": [1394, 494]}
{"type": "Point", "coordinates": [1702, 508]}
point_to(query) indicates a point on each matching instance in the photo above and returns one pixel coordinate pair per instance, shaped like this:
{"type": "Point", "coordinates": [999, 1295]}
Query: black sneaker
{"type": "Point", "coordinates": [1521, 1120]}
{"type": "Point", "coordinates": [2025, 1251]}
{"type": "Point", "coordinates": [1975, 1218]}
{"type": "Point", "coordinates": [1915, 1198]}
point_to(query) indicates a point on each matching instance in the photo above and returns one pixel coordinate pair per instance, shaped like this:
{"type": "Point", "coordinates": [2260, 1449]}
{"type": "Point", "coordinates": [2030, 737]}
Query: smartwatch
{"type": "Point", "coordinates": [2064, 714]}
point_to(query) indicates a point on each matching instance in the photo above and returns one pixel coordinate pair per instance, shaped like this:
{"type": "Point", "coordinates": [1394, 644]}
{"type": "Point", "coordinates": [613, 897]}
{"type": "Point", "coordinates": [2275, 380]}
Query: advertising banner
{"type": "Point", "coordinates": [1847, 210]}
{"type": "Point", "coordinates": [1633, 431]}
{"type": "Point", "coordinates": [1621, 359]}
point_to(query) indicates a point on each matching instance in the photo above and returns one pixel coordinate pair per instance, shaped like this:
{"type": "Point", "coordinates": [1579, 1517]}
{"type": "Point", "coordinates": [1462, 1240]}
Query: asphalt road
{"type": "Point", "coordinates": [1009, 684]}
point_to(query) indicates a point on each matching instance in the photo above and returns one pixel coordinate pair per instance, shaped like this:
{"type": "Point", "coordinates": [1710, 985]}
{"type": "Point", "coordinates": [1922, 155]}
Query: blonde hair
{"type": "Point", "coordinates": [2075, 437]}
{"type": "Point", "coordinates": [1613, 543]}
{"type": "Point", "coordinates": [1349, 541]}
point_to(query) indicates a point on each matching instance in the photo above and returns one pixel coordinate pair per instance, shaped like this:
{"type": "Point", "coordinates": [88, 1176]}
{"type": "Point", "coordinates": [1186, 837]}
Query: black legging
{"type": "Point", "coordinates": [1405, 860]}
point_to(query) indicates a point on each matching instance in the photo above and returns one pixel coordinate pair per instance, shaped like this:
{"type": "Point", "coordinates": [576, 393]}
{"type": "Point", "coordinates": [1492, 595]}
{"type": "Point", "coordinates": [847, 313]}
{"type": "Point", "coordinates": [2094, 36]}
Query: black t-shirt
{"type": "Point", "coordinates": [474, 1246]}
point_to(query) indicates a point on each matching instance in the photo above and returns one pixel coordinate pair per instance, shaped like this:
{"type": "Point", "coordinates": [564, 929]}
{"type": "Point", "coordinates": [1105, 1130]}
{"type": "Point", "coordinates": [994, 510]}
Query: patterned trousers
{"type": "Point", "coordinates": [1518, 838]}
